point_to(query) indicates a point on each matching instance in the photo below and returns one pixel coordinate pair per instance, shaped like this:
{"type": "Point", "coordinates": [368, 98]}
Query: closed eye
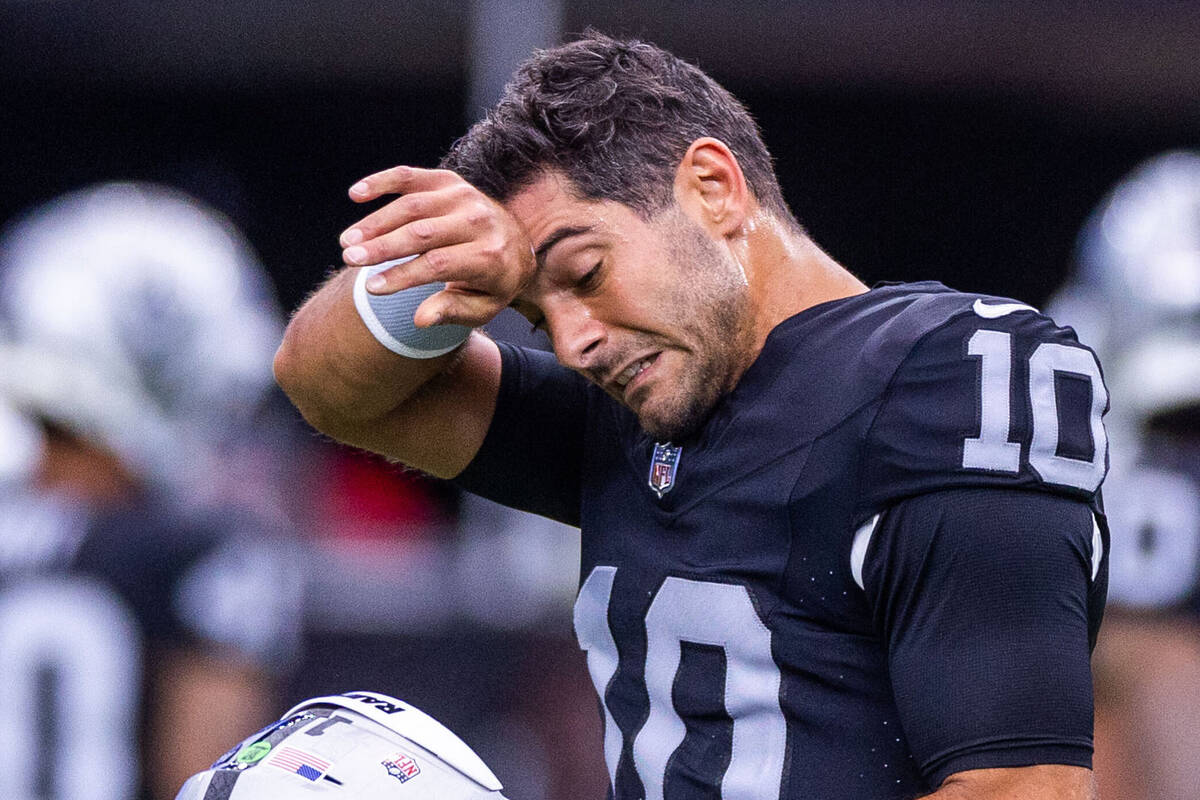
{"type": "Point", "coordinates": [589, 280]}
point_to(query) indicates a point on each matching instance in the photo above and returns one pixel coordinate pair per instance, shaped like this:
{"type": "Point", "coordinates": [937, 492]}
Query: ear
{"type": "Point", "coordinates": [711, 189]}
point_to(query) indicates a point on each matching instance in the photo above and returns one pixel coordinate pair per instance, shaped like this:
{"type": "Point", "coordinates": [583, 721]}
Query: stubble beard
{"type": "Point", "coordinates": [712, 308]}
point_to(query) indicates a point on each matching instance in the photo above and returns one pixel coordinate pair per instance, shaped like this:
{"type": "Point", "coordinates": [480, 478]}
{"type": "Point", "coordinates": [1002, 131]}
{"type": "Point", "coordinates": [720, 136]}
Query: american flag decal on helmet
{"type": "Point", "coordinates": [663, 467]}
{"type": "Point", "coordinates": [306, 765]}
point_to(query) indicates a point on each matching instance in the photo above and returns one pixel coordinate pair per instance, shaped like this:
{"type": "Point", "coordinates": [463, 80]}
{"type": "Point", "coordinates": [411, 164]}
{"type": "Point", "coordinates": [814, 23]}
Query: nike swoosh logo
{"type": "Point", "coordinates": [999, 310]}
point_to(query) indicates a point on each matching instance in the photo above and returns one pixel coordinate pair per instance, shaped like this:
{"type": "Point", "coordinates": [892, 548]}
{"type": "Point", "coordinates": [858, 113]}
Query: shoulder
{"type": "Point", "coordinates": [896, 321]}
{"type": "Point", "coordinates": [845, 355]}
{"type": "Point", "coordinates": [863, 339]}
{"type": "Point", "coordinates": [985, 391]}
{"type": "Point", "coordinates": [538, 394]}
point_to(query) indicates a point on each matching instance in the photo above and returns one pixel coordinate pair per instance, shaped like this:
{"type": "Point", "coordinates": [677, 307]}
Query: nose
{"type": "Point", "coordinates": [577, 336]}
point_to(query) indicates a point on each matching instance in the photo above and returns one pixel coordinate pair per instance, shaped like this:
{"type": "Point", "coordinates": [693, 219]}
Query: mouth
{"type": "Point", "coordinates": [636, 374]}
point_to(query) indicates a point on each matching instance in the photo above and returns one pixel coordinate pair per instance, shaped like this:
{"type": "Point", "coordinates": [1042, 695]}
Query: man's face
{"type": "Point", "coordinates": [656, 313]}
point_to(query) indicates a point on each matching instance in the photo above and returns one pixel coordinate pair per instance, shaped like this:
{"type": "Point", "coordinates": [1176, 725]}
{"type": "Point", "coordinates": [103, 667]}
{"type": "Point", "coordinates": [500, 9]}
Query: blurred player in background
{"type": "Point", "coordinates": [144, 602]}
{"type": "Point", "coordinates": [1136, 296]}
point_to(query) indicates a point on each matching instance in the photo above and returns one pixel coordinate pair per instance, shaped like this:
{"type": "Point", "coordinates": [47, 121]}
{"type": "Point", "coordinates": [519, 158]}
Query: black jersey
{"type": "Point", "coordinates": [878, 563]}
{"type": "Point", "coordinates": [88, 602]}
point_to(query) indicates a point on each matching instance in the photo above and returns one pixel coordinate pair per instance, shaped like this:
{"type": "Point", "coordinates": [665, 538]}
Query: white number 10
{"type": "Point", "coordinates": [702, 612]}
{"type": "Point", "coordinates": [992, 450]}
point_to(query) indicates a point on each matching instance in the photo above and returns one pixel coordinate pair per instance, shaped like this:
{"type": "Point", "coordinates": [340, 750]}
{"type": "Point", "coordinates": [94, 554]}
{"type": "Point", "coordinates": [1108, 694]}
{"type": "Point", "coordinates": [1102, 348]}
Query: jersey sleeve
{"type": "Point", "coordinates": [1010, 401]}
{"type": "Point", "coordinates": [988, 601]}
{"type": "Point", "coordinates": [532, 456]}
{"type": "Point", "coordinates": [206, 578]}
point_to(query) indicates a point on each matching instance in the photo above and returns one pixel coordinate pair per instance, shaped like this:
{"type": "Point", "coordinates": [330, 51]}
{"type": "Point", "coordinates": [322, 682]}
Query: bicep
{"type": "Point", "coordinates": [986, 599]}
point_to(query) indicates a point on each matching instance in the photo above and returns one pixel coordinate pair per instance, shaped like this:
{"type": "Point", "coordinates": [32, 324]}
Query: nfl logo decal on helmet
{"type": "Point", "coordinates": [402, 767]}
{"type": "Point", "coordinates": [663, 467]}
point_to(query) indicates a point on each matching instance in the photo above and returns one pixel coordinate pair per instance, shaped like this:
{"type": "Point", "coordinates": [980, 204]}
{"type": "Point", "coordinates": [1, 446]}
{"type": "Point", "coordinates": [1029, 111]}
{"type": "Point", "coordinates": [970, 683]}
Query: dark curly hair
{"type": "Point", "coordinates": [615, 117]}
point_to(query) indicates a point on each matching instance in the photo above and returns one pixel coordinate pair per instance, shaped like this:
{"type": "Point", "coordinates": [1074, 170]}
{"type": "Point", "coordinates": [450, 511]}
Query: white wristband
{"type": "Point", "coordinates": [389, 317]}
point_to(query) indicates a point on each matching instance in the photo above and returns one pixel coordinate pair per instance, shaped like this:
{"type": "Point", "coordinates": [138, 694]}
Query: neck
{"type": "Point", "coordinates": [786, 273]}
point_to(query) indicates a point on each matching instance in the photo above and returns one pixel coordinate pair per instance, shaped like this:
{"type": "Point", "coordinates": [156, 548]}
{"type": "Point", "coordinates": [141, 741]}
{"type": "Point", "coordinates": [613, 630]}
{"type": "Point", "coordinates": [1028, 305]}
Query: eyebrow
{"type": "Point", "coordinates": [557, 236]}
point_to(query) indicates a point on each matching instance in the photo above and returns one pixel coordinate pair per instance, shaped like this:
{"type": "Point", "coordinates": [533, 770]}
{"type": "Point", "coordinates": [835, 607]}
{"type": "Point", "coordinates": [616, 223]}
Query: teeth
{"type": "Point", "coordinates": [633, 369]}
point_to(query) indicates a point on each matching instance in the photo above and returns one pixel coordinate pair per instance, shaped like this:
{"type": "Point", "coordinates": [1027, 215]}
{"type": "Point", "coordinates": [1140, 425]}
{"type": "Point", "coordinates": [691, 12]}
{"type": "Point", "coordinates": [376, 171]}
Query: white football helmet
{"type": "Point", "coordinates": [1135, 298]}
{"type": "Point", "coordinates": [359, 746]}
{"type": "Point", "coordinates": [136, 317]}
{"type": "Point", "coordinates": [1135, 295]}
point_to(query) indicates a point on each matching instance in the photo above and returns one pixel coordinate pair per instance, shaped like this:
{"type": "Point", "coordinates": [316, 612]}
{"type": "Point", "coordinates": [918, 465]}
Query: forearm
{"type": "Point", "coordinates": [1041, 782]}
{"type": "Point", "coordinates": [340, 378]}
{"type": "Point", "coordinates": [430, 413]}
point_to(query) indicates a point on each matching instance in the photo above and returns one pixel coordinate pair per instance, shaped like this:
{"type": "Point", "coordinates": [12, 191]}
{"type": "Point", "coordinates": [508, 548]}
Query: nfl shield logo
{"type": "Point", "coordinates": [663, 467]}
{"type": "Point", "coordinates": [402, 767]}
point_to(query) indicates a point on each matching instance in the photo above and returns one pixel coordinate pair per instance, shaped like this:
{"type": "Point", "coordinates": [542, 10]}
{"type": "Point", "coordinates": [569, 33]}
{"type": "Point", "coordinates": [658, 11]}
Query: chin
{"type": "Point", "coordinates": [679, 421]}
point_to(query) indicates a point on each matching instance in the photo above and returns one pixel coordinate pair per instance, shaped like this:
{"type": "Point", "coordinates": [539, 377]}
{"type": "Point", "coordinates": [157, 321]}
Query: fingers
{"type": "Point", "coordinates": [460, 263]}
{"type": "Point", "coordinates": [400, 212]}
{"type": "Point", "coordinates": [410, 224]}
{"type": "Point", "coordinates": [463, 222]}
{"type": "Point", "coordinates": [453, 306]}
{"type": "Point", "coordinates": [400, 180]}
{"type": "Point", "coordinates": [475, 291]}
{"type": "Point", "coordinates": [460, 236]}
{"type": "Point", "coordinates": [419, 236]}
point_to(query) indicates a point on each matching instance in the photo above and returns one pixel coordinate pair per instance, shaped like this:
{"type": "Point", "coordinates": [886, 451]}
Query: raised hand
{"type": "Point", "coordinates": [461, 236]}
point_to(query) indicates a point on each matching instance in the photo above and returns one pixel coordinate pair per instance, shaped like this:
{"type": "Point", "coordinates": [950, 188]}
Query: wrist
{"type": "Point", "coordinates": [389, 317]}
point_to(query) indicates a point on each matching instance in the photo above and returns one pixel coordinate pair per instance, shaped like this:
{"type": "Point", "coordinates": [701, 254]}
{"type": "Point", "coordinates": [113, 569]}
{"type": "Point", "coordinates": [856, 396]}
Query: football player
{"type": "Point", "coordinates": [837, 542]}
{"type": "Point", "coordinates": [358, 745]}
{"type": "Point", "coordinates": [139, 622]}
{"type": "Point", "coordinates": [1136, 296]}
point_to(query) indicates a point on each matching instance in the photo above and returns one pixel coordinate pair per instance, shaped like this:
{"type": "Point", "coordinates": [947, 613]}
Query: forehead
{"type": "Point", "coordinates": [549, 205]}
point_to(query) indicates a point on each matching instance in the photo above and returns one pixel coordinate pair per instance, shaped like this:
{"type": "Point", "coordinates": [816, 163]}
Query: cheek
{"type": "Point", "coordinates": [634, 304]}
{"type": "Point", "coordinates": [656, 296]}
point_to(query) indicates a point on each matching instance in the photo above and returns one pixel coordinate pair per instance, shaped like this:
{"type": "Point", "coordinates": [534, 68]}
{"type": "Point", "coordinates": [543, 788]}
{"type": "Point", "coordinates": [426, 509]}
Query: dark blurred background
{"type": "Point", "coordinates": [965, 142]}
{"type": "Point", "coordinates": [962, 141]}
